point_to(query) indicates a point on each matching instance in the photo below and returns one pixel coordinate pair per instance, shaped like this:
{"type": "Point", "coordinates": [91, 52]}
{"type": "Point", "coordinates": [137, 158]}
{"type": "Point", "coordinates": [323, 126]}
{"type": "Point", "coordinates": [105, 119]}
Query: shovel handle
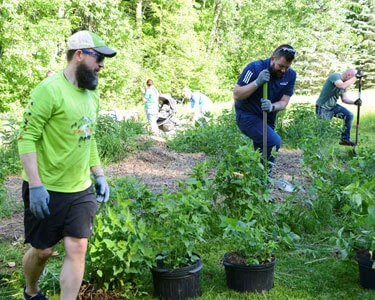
{"type": "Point", "coordinates": [265, 96]}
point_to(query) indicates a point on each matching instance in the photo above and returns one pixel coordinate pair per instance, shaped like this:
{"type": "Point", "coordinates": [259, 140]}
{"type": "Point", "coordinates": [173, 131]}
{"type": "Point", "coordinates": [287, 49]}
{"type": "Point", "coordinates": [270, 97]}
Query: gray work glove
{"type": "Point", "coordinates": [39, 199]}
{"type": "Point", "coordinates": [102, 189]}
{"type": "Point", "coordinates": [358, 102]}
{"type": "Point", "coordinates": [266, 105]}
{"type": "Point", "coordinates": [264, 76]}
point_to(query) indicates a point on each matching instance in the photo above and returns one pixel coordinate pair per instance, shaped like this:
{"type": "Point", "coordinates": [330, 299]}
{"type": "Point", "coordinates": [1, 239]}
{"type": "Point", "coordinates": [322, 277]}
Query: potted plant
{"type": "Point", "coordinates": [249, 264]}
{"type": "Point", "coordinates": [178, 223]}
{"type": "Point", "coordinates": [360, 243]}
{"type": "Point", "coordinates": [358, 238]}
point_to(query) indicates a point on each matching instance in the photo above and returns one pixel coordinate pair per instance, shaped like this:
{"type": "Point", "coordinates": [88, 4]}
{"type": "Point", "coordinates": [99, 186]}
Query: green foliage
{"type": "Point", "coordinates": [249, 239]}
{"type": "Point", "coordinates": [115, 139]}
{"type": "Point", "coordinates": [216, 137]}
{"type": "Point", "coordinates": [299, 124]}
{"type": "Point", "coordinates": [204, 45]}
{"type": "Point", "coordinates": [9, 162]}
{"type": "Point", "coordinates": [361, 17]}
{"type": "Point", "coordinates": [119, 249]}
{"type": "Point", "coordinates": [241, 180]}
{"type": "Point", "coordinates": [138, 227]}
{"type": "Point", "coordinates": [178, 222]}
{"type": "Point", "coordinates": [358, 233]}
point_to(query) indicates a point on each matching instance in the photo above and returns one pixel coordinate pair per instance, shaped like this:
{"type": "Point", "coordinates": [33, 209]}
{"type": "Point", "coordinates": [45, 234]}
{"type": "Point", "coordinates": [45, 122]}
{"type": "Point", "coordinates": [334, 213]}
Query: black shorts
{"type": "Point", "coordinates": [72, 214]}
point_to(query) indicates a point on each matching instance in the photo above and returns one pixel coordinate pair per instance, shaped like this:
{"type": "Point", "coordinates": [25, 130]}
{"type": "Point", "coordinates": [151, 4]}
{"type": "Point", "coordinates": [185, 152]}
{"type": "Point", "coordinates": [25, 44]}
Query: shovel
{"type": "Point", "coordinates": [359, 75]}
{"type": "Point", "coordinates": [265, 96]}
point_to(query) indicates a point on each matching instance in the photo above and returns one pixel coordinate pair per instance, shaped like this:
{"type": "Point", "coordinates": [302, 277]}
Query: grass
{"type": "Point", "coordinates": [366, 129]}
{"type": "Point", "coordinates": [309, 272]}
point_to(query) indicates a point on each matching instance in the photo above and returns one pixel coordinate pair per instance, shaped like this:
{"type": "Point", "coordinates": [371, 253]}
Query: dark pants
{"type": "Point", "coordinates": [252, 126]}
{"type": "Point", "coordinates": [338, 112]}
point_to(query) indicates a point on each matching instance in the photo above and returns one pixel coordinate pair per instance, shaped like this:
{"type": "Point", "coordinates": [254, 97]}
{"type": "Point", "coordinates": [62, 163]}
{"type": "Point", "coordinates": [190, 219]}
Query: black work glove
{"type": "Point", "coordinates": [358, 102]}
{"type": "Point", "coordinates": [39, 199]}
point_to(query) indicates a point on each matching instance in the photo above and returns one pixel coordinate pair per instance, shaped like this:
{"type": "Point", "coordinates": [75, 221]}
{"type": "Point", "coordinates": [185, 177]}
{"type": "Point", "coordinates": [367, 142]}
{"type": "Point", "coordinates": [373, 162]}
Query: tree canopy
{"type": "Point", "coordinates": [203, 44]}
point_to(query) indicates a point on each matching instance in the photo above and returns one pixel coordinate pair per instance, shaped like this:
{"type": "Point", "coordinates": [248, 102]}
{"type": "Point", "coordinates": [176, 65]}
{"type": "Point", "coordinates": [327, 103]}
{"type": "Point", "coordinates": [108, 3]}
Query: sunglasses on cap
{"type": "Point", "coordinates": [99, 57]}
{"type": "Point", "coordinates": [287, 50]}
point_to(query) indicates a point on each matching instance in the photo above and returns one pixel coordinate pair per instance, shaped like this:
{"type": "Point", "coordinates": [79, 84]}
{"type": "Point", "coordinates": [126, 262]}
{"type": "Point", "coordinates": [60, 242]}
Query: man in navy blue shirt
{"type": "Point", "coordinates": [248, 96]}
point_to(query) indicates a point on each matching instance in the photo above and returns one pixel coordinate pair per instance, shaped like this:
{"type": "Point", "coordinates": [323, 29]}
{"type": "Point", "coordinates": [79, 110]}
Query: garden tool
{"type": "Point", "coordinates": [359, 76]}
{"type": "Point", "coordinates": [265, 96]}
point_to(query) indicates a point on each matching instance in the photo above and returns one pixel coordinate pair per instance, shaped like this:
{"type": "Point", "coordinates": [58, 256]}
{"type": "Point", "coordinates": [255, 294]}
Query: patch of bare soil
{"type": "Point", "coordinates": [159, 167]}
{"type": "Point", "coordinates": [12, 228]}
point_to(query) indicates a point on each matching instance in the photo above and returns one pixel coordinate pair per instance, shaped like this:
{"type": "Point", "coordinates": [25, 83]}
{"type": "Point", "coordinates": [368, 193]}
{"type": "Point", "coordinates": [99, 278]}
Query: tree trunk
{"type": "Point", "coordinates": [139, 17]}
{"type": "Point", "coordinates": [215, 26]}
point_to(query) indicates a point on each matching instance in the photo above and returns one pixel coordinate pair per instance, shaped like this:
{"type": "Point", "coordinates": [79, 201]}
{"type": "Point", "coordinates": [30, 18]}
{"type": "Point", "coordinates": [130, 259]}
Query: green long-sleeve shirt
{"type": "Point", "coordinates": [58, 126]}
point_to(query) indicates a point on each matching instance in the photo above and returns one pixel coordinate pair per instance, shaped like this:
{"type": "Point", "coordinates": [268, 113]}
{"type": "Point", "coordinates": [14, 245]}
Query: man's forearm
{"type": "Point", "coordinates": [242, 92]}
{"type": "Point", "coordinates": [30, 165]}
{"type": "Point", "coordinates": [97, 170]}
{"type": "Point", "coordinates": [282, 104]}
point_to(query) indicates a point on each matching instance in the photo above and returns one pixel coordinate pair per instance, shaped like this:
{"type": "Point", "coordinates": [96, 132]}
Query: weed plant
{"type": "Point", "coordinates": [116, 139]}
{"type": "Point", "coordinates": [216, 137]}
{"type": "Point", "coordinates": [299, 124]}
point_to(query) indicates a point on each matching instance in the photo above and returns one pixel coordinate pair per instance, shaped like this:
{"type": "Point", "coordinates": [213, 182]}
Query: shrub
{"type": "Point", "coordinates": [116, 139]}
{"type": "Point", "coordinates": [216, 137]}
{"type": "Point", "coordinates": [178, 223]}
{"type": "Point", "coordinates": [249, 239]}
{"type": "Point", "coordinates": [119, 249]}
{"type": "Point", "coordinates": [299, 124]}
{"type": "Point", "coordinates": [241, 180]}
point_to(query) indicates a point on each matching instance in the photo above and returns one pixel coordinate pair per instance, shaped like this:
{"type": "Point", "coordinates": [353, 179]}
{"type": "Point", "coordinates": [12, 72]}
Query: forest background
{"type": "Point", "coordinates": [203, 44]}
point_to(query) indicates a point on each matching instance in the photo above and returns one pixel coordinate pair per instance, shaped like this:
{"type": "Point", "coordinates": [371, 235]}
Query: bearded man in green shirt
{"type": "Point", "coordinates": [58, 152]}
{"type": "Point", "coordinates": [326, 106]}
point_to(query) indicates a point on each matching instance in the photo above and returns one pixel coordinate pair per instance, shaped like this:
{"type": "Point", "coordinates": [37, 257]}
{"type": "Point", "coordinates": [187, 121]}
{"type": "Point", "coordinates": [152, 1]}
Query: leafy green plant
{"type": "Point", "coordinates": [9, 162]}
{"type": "Point", "coordinates": [178, 223]}
{"type": "Point", "coordinates": [299, 124]}
{"type": "Point", "coordinates": [248, 239]}
{"type": "Point", "coordinates": [116, 139]}
{"type": "Point", "coordinates": [216, 137]}
{"type": "Point", "coordinates": [241, 180]}
{"type": "Point", "coordinates": [359, 234]}
{"type": "Point", "coordinates": [119, 248]}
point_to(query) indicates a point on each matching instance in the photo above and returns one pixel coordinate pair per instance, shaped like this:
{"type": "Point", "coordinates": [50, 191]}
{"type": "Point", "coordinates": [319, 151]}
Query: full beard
{"type": "Point", "coordinates": [275, 73]}
{"type": "Point", "coordinates": [86, 78]}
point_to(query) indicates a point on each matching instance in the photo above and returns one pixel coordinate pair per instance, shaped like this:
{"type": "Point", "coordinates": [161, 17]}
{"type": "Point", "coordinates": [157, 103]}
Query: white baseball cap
{"type": "Point", "coordinates": [85, 39]}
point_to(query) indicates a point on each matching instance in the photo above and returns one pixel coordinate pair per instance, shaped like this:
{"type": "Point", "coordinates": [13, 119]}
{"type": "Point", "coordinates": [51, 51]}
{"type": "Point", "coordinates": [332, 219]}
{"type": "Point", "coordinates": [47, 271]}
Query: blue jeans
{"type": "Point", "coordinates": [252, 126]}
{"type": "Point", "coordinates": [338, 112]}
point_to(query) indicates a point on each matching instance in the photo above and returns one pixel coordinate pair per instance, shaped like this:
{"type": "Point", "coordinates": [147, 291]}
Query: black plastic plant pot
{"type": "Point", "coordinates": [366, 271]}
{"type": "Point", "coordinates": [249, 278]}
{"type": "Point", "coordinates": [177, 284]}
